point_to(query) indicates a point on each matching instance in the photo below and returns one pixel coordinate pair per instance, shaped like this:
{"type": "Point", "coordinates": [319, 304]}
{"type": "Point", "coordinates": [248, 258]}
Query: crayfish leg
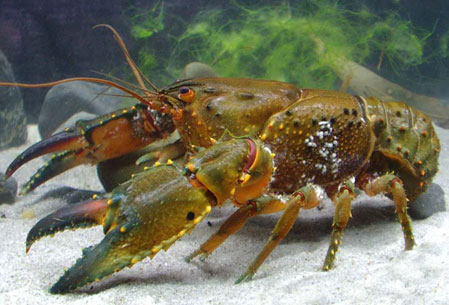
{"type": "Point", "coordinates": [261, 205]}
{"type": "Point", "coordinates": [171, 151]}
{"type": "Point", "coordinates": [342, 200]}
{"type": "Point", "coordinates": [81, 215]}
{"type": "Point", "coordinates": [390, 183]}
{"type": "Point", "coordinates": [305, 197]}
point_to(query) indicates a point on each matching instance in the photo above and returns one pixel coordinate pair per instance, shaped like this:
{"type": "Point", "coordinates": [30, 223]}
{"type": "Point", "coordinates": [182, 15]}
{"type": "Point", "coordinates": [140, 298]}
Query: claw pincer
{"type": "Point", "coordinates": [157, 207]}
{"type": "Point", "coordinates": [93, 141]}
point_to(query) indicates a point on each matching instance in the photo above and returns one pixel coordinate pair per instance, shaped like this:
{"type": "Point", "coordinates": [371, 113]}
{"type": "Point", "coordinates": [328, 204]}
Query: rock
{"type": "Point", "coordinates": [12, 116]}
{"type": "Point", "coordinates": [429, 203]}
{"type": "Point", "coordinates": [28, 214]}
{"type": "Point", "coordinates": [65, 100]}
{"type": "Point", "coordinates": [197, 69]}
{"type": "Point", "coordinates": [8, 189]}
{"type": "Point", "coordinates": [54, 39]}
{"type": "Point", "coordinates": [75, 118]}
{"type": "Point", "coordinates": [118, 170]}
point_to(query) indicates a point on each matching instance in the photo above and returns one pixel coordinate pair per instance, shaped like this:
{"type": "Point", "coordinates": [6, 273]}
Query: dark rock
{"type": "Point", "coordinates": [118, 170]}
{"type": "Point", "coordinates": [65, 100]}
{"type": "Point", "coordinates": [429, 203]}
{"type": "Point", "coordinates": [50, 40]}
{"type": "Point", "coordinates": [8, 189]}
{"type": "Point", "coordinates": [12, 116]}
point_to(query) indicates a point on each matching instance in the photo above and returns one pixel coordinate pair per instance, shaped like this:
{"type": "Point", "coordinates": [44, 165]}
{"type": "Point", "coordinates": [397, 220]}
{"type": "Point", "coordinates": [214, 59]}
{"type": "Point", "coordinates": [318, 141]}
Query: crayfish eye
{"type": "Point", "coordinates": [190, 216]}
{"type": "Point", "coordinates": [186, 94]}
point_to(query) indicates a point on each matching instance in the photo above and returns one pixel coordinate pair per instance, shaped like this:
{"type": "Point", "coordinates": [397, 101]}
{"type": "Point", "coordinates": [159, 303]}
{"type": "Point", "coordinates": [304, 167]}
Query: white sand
{"type": "Point", "coordinates": [371, 266]}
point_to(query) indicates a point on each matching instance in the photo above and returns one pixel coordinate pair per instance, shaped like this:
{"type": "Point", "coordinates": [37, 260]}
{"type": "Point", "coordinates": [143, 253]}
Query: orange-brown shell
{"type": "Point", "coordinates": [239, 105]}
{"type": "Point", "coordinates": [323, 138]}
{"type": "Point", "coordinates": [318, 136]}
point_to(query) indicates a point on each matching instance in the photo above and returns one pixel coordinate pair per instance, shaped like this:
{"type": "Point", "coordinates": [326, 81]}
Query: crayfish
{"type": "Point", "coordinates": [244, 140]}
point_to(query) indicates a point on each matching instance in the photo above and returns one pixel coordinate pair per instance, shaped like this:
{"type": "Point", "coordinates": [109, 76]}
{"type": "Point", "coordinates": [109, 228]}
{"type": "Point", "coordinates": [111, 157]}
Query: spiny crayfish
{"type": "Point", "coordinates": [316, 139]}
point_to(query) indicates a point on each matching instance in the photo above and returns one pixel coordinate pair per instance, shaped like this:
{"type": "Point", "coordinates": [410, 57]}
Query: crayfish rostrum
{"type": "Point", "coordinates": [317, 139]}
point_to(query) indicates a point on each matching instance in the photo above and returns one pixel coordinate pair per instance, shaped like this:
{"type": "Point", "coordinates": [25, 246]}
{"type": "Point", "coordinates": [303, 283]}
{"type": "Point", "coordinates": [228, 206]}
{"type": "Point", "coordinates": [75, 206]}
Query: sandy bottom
{"type": "Point", "coordinates": [371, 266]}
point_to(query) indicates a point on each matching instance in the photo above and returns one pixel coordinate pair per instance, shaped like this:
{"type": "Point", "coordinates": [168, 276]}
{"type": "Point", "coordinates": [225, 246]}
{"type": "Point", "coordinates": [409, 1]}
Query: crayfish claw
{"type": "Point", "coordinates": [155, 208]}
{"type": "Point", "coordinates": [81, 215]}
{"type": "Point", "coordinates": [91, 141]}
{"type": "Point", "coordinates": [58, 164]}
{"type": "Point", "coordinates": [97, 262]}
{"type": "Point", "coordinates": [58, 142]}
{"type": "Point", "coordinates": [143, 216]}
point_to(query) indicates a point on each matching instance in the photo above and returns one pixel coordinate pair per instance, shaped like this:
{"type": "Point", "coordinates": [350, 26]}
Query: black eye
{"type": "Point", "coordinates": [184, 90]}
{"type": "Point", "coordinates": [190, 216]}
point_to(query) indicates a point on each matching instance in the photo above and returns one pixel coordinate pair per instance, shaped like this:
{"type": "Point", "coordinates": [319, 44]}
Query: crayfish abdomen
{"type": "Point", "coordinates": [406, 143]}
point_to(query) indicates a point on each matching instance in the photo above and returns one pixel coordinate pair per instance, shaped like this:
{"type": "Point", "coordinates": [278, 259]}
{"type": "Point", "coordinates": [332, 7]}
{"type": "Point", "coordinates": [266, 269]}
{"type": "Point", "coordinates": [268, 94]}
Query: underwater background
{"type": "Point", "coordinates": [405, 42]}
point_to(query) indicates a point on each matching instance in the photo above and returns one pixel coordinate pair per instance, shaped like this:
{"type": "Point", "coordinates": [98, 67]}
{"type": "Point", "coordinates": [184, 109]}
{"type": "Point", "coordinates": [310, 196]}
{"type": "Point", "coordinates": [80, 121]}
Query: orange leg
{"type": "Point", "coordinates": [305, 197]}
{"type": "Point", "coordinates": [389, 183]}
{"type": "Point", "coordinates": [342, 214]}
{"type": "Point", "coordinates": [236, 221]}
{"type": "Point", "coordinates": [162, 154]}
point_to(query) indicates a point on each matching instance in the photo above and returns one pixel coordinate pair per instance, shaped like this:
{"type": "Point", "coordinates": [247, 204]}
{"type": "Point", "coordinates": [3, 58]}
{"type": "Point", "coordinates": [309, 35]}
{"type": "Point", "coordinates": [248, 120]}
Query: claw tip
{"type": "Point", "coordinates": [8, 173]}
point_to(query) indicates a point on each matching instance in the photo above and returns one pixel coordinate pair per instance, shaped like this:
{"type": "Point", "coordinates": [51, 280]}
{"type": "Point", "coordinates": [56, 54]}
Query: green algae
{"type": "Point", "coordinates": [297, 42]}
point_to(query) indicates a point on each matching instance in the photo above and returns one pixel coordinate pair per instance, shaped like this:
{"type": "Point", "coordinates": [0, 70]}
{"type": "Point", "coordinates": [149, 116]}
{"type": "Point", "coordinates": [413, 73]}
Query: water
{"type": "Point", "coordinates": [395, 50]}
{"type": "Point", "coordinates": [55, 40]}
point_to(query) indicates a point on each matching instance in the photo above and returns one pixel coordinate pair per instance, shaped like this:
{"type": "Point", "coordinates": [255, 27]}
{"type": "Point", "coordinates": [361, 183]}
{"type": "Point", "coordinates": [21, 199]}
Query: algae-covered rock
{"type": "Point", "coordinates": [12, 116]}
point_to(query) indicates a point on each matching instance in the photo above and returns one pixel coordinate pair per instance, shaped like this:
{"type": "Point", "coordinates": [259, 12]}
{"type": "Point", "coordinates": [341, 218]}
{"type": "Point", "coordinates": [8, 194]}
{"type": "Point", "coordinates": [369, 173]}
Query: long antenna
{"type": "Point", "coordinates": [136, 71]}
{"type": "Point", "coordinates": [119, 80]}
{"type": "Point", "coordinates": [84, 79]}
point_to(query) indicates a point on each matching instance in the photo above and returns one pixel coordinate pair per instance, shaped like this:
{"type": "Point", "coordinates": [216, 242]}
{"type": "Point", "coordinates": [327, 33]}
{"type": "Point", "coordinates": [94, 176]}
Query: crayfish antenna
{"type": "Point", "coordinates": [82, 79]}
{"type": "Point", "coordinates": [138, 74]}
{"type": "Point", "coordinates": [81, 215]}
